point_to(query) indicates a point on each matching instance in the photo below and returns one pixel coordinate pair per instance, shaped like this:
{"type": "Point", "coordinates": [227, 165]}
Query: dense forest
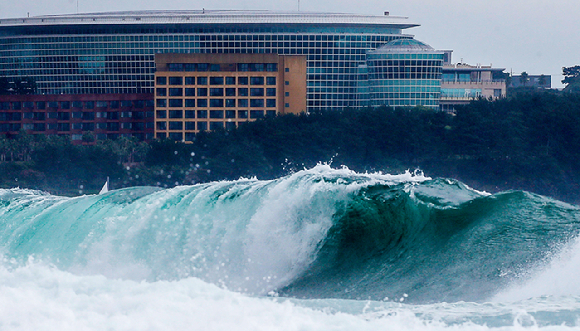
{"type": "Point", "coordinates": [530, 141]}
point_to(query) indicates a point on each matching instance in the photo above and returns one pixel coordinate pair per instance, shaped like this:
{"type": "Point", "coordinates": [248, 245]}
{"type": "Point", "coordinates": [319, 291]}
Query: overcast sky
{"type": "Point", "coordinates": [536, 36]}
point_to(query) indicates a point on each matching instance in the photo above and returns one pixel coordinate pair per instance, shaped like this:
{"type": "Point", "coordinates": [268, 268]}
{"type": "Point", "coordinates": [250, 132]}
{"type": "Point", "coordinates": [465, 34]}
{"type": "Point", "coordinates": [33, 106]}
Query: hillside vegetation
{"type": "Point", "coordinates": [529, 142]}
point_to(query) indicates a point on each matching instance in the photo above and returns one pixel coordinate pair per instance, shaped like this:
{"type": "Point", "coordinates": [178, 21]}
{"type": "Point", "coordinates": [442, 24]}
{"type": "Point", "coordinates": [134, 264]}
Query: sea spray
{"type": "Point", "coordinates": [332, 248]}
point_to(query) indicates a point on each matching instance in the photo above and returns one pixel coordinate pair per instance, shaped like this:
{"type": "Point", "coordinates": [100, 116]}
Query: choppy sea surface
{"type": "Point", "coordinates": [320, 249]}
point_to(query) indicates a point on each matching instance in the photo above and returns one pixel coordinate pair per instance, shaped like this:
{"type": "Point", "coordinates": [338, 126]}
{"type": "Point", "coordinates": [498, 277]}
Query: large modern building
{"type": "Point", "coordinates": [115, 52]}
{"type": "Point", "coordinates": [346, 60]}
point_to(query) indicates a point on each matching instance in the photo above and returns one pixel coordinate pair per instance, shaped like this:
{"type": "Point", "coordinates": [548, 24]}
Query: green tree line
{"type": "Point", "coordinates": [529, 141]}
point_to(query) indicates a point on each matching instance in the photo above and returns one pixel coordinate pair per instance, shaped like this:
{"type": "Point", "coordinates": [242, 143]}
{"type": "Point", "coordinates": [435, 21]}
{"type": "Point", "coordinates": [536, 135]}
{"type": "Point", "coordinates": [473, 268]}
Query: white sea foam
{"type": "Point", "coordinates": [39, 297]}
{"type": "Point", "coordinates": [559, 277]}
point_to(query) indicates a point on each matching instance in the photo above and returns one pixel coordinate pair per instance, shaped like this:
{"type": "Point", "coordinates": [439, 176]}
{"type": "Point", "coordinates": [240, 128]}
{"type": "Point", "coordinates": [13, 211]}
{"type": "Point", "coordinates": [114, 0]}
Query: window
{"type": "Point", "coordinates": [189, 125]}
{"type": "Point", "coordinates": [161, 80]}
{"type": "Point", "coordinates": [216, 114]}
{"type": "Point", "coordinates": [256, 113]}
{"type": "Point", "coordinates": [161, 114]}
{"type": "Point", "coordinates": [216, 103]}
{"type": "Point", "coordinates": [257, 81]}
{"type": "Point", "coordinates": [257, 92]}
{"type": "Point", "coordinates": [175, 114]}
{"type": "Point", "coordinates": [175, 102]}
{"type": "Point", "coordinates": [202, 103]}
{"type": "Point", "coordinates": [189, 80]}
{"type": "Point", "coordinates": [190, 114]}
{"type": "Point", "coordinates": [286, 83]}
{"type": "Point", "coordinates": [231, 92]}
{"type": "Point", "coordinates": [177, 136]}
{"type": "Point", "coordinates": [230, 103]}
{"type": "Point", "coordinates": [271, 92]}
{"type": "Point", "coordinates": [243, 92]}
{"type": "Point", "coordinates": [242, 114]}
{"type": "Point", "coordinates": [89, 104]}
{"type": "Point", "coordinates": [270, 80]}
{"type": "Point", "coordinates": [175, 125]}
{"type": "Point", "coordinates": [99, 104]}
{"type": "Point", "coordinates": [66, 104]}
{"type": "Point", "coordinates": [287, 69]}
{"type": "Point", "coordinates": [202, 67]}
{"type": "Point", "coordinates": [201, 80]}
{"type": "Point", "coordinates": [202, 92]}
{"type": "Point", "coordinates": [189, 103]}
{"type": "Point", "coordinates": [175, 81]}
{"type": "Point", "coordinates": [242, 80]}
{"type": "Point", "coordinates": [216, 81]}
{"type": "Point", "coordinates": [161, 102]}
{"type": "Point", "coordinates": [161, 125]}
{"type": "Point", "coordinates": [243, 103]}
{"type": "Point", "coordinates": [270, 103]}
{"type": "Point", "coordinates": [270, 113]}
{"type": "Point", "coordinates": [256, 103]}
{"type": "Point", "coordinates": [216, 92]}
{"type": "Point", "coordinates": [175, 92]}
{"type": "Point", "coordinates": [202, 114]}
{"type": "Point", "coordinates": [230, 114]}
{"type": "Point", "coordinates": [189, 92]}
{"type": "Point", "coordinates": [271, 67]}
{"type": "Point", "coordinates": [230, 80]}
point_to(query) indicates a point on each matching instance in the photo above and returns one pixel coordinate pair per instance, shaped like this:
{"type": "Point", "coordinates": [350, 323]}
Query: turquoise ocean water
{"type": "Point", "coordinates": [321, 249]}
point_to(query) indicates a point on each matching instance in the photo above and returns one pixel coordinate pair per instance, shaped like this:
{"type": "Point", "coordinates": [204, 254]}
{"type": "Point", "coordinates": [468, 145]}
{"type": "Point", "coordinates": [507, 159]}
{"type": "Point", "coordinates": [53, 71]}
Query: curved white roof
{"type": "Point", "coordinates": [212, 17]}
{"type": "Point", "coordinates": [404, 45]}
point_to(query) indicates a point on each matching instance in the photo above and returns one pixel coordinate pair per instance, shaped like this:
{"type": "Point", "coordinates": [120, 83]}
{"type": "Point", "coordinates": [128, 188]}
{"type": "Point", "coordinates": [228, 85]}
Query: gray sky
{"type": "Point", "coordinates": [536, 36]}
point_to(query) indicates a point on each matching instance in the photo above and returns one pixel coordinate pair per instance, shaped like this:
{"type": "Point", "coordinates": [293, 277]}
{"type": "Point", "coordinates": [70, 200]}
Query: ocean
{"type": "Point", "coordinates": [319, 249]}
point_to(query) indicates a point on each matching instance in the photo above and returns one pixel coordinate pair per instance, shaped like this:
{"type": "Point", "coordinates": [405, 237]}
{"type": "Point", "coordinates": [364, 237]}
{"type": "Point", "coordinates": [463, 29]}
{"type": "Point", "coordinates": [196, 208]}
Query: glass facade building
{"type": "Point", "coordinates": [404, 72]}
{"type": "Point", "coordinates": [115, 52]}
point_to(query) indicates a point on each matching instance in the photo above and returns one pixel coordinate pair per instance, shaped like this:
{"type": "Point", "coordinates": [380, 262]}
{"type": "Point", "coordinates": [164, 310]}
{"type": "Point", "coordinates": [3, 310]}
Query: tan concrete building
{"type": "Point", "coordinates": [461, 83]}
{"type": "Point", "coordinates": [199, 92]}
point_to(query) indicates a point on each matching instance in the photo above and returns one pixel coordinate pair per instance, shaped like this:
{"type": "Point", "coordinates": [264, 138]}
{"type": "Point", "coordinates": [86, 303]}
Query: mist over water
{"type": "Point", "coordinates": [321, 249]}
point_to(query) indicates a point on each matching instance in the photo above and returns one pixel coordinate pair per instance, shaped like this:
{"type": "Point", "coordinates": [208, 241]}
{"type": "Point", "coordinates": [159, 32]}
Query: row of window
{"type": "Point", "coordinates": [41, 105]}
{"type": "Point", "coordinates": [216, 80]}
{"type": "Point", "coordinates": [460, 93]}
{"type": "Point", "coordinates": [382, 97]}
{"type": "Point", "coordinates": [215, 114]}
{"type": "Point", "coordinates": [65, 116]}
{"type": "Point", "coordinates": [109, 126]}
{"type": "Point", "coordinates": [346, 35]}
{"type": "Point", "coordinates": [269, 67]}
{"type": "Point", "coordinates": [216, 103]}
{"type": "Point", "coordinates": [216, 92]}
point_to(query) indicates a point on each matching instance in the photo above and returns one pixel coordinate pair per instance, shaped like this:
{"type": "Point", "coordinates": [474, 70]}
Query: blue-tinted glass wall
{"type": "Point", "coordinates": [404, 79]}
{"type": "Point", "coordinates": [120, 59]}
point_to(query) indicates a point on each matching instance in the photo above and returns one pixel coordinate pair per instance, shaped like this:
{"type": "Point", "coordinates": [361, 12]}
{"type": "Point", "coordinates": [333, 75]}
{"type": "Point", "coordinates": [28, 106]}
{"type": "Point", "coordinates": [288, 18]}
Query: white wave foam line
{"type": "Point", "coordinates": [37, 297]}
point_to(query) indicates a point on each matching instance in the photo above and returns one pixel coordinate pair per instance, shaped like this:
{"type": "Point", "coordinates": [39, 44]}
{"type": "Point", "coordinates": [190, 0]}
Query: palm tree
{"type": "Point", "coordinates": [524, 78]}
